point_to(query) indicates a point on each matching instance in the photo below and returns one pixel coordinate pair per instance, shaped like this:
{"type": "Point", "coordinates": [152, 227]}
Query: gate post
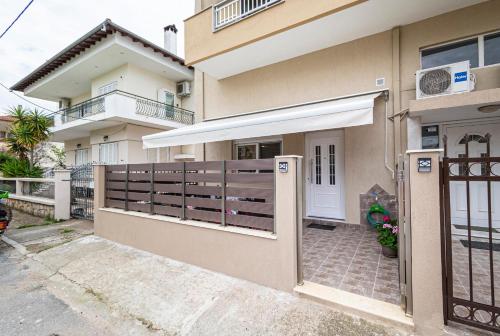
{"type": "Point", "coordinates": [425, 217]}
{"type": "Point", "coordinates": [62, 193]}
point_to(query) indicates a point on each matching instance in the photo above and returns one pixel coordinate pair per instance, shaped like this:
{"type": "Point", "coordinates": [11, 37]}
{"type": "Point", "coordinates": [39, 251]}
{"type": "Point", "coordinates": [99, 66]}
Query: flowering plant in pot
{"type": "Point", "coordinates": [388, 237]}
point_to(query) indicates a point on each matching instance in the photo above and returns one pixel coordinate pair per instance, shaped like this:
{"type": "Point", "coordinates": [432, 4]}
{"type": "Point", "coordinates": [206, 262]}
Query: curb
{"type": "Point", "coordinates": [19, 248]}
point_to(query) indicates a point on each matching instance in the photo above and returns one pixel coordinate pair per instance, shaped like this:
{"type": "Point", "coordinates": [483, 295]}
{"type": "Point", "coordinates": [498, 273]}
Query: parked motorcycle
{"type": "Point", "coordinates": [5, 212]}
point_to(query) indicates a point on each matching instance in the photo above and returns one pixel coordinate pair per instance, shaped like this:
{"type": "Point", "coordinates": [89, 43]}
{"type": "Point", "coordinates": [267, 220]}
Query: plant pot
{"type": "Point", "coordinates": [389, 253]}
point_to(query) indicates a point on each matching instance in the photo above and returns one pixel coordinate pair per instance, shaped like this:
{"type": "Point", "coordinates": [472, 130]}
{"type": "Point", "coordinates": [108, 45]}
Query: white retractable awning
{"type": "Point", "coordinates": [335, 113]}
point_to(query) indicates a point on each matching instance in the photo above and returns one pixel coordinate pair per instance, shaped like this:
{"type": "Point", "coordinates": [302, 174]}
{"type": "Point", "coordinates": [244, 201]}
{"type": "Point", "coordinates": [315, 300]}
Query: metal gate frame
{"type": "Point", "coordinates": [82, 192]}
{"type": "Point", "coordinates": [451, 303]}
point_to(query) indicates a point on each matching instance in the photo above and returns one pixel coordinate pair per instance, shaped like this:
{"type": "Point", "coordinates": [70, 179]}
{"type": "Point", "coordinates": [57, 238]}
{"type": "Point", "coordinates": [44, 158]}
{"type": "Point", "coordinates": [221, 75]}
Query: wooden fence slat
{"type": "Point", "coordinates": [203, 165]}
{"type": "Point", "coordinates": [116, 176]}
{"type": "Point", "coordinates": [115, 194]}
{"type": "Point", "coordinates": [265, 164]}
{"type": "Point", "coordinates": [170, 166]}
{"type": "Point", "coordinates": [137, 196]}
{"type": "Point", "coordinates": [209, 177]}
{"type": "Point", "coordinates": [250, 178]}
{"type": "Point", "coordinates": [139, 167]}
{"type": "Point", "coordinates": [119, 168]}
{"type": "Point", "coordinates": [261, 223]}
{"type": "Point", "coordinates": [168, 199]}
{"type": "Point", "coordinates": [203, 215]}
{"type": "Point", "coordinates": [142, 207]}
{"type": "Point", "coordinates": [169, 177]}
{"type": "Point", "coordinates": [203, 202]}
{"type": "Point", "coordinates": [263, 193]}
{"type": "Point", "coordinates": [139, 177]}
{"type": "Point", "coordinates": [164, 187]}
{"type": "Point", "coordinates": [138, 186]}
{"type": "Point", "coordinates": [203, 190]}
{"type": "Point", "coordinates": [115, 204]}
{"type": "Point", "coordinates": [253, 207]}
{"type": "Point", "coordinates": [115, 185]}
{"type": "Point", "coordinates": [167, 210]}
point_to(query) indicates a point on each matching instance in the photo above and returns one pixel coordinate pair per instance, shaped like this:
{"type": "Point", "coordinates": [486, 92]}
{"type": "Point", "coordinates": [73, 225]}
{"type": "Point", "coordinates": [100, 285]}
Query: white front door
{"type": "Point", "coordinates": [478, 191]}
{"type": "Point", "coordinates": [325, 174]}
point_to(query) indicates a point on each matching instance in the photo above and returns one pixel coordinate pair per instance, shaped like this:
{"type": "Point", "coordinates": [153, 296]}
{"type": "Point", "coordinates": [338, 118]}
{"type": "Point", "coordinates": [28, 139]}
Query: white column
{"type": "Point", "coordinates": [62, 194]}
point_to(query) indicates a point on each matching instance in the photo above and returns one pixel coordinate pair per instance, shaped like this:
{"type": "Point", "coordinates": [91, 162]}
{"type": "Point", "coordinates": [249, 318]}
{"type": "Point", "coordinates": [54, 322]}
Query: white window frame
{"type": "Point", "coordinates": [480, 48]}
{"type": "Point", "coordinates": [257, 143]}
{"type": "Point", "coordinates": [77, 152]}
{"type": "Point", "coordinates": [110, 87]}
{"type": "Point", "coordinates": [107, 160]}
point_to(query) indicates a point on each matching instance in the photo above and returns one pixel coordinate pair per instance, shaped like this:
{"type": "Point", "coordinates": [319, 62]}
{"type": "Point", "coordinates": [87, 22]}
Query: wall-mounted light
{"type": "Point", "coordinates": [489, 108]}
{"type": "Point", "coordinates": [79, 146]}
{"type": "Point", "coordinates": [424, 165]}
{"type": "Point", "coordinates": [105, 138]}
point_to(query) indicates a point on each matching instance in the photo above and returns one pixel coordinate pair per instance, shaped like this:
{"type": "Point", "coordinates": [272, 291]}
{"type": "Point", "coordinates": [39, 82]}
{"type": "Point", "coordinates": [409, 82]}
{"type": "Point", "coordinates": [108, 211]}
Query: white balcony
{"type": "Point", "coordinates": [231, 11]}
{"type": "Point", "coordinates": [116, 108]}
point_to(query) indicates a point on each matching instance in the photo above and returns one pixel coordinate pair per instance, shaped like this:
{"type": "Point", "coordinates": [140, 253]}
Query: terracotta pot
{"type": "Point", "coordinates": [389, 253]}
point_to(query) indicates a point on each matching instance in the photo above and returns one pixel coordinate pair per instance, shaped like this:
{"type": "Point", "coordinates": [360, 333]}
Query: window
{"type": "Point", "coordinates": [259, 150]}
{"type": "Point", "coordinates": [108, 153]}
{"type": "Point", "coordinates": [317, 156]}
{"type": "Point", "coordinates": [2, 134]}
{"type": "Point", "coordinates": [152, 155]}
{"type": "Point", "coordinates": [492, 49]}
{"type": "Point", "coordinates": [107, 88]}
{"type": "Point", "coordinates": [331, 163]}
{"type": "Point", "coordinates": [480, 51]}
{"type": "Point", "coordinates": [451, 53]}
{"type": "Point", "coordinates": [169, 102]}
{"type": "Point", "coordinates": [81, 157]}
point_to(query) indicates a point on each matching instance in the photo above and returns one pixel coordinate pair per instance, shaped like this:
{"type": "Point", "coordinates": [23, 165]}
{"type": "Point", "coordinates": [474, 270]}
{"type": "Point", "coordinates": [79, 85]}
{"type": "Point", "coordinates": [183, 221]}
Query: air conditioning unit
{"type": "Point", "coordinates": [183, 88]}
{"type": "Point", "coordinates": [445, 80]}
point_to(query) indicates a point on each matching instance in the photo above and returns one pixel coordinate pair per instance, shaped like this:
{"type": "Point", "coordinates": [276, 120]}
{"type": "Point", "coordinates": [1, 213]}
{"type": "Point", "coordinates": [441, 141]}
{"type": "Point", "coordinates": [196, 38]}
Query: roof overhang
{"type": "Point", "coordinates": [327, 114]}
{"type": "Point", "coordinates": [104, 48]}
{"type": "Point", "coordinates": [456, 107]}
{"type": "Point", "coordinates": [364, 19]}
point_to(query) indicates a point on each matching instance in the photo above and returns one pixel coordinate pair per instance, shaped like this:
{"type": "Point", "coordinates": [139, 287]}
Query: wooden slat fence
{"type": "Point", "coordinates": [237, 193]}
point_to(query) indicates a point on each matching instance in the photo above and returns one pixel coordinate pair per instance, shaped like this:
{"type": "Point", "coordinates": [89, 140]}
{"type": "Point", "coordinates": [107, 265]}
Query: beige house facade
{"type": "Point", "coordinates": [113, 87]}
{"type": "Point", "coordinates": [265, 70]}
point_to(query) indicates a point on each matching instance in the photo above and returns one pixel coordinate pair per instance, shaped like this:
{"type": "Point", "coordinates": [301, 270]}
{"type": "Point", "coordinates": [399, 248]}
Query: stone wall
{"type": "Point", "coordinates": [35, 209]}
{"type": "Point", "coordinates": [377, 194]}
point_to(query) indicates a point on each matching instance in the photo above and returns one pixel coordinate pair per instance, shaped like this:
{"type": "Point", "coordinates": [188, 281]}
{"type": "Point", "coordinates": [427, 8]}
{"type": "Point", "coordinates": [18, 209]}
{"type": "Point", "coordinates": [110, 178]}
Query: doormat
{"type": "Point", "coordinates": [321, 227]}
{"type": "Point", "coordinates": [480, 245]}
{"type": "Point", "coordinates": [474, 228]}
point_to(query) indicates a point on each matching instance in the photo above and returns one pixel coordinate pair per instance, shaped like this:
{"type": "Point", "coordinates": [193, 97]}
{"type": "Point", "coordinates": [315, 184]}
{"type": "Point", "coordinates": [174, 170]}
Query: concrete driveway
{"type": "Point", "coordinates": [154, 295]}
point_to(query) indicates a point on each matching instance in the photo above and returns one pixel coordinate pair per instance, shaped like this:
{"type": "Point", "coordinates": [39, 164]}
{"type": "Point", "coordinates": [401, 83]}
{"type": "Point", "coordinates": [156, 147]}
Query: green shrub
{"type": "Point", "coordinates": [13, 167]}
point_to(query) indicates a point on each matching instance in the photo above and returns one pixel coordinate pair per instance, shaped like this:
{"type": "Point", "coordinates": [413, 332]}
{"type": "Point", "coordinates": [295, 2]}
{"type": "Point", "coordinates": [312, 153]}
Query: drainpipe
{"type": "Point", "coordinates": [386, 132]}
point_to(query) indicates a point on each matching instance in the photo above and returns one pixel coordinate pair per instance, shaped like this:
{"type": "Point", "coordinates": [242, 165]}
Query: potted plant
{"type": "Point", "coordinates": [388, 237]}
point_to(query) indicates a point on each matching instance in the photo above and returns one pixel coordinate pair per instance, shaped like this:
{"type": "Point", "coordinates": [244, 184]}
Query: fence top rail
{"type": "Point", "coordinates": [259, 164]}
{"type": "Point", "coordinates": [28, 179]}
{"type": "Point", "coordinates": [472, 159]}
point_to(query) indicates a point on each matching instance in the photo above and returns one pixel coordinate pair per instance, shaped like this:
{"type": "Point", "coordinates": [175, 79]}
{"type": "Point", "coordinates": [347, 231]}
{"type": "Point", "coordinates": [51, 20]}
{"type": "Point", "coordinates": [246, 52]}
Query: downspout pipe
{"type": "Point", "coordinates": [386, 135]}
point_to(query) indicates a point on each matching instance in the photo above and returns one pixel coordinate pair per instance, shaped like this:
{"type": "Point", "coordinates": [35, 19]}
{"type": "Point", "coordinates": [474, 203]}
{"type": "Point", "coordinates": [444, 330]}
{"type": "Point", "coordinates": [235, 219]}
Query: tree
{"type": "Point", "coordinates": [29, 129]}
{"type": "Point", "coordinates": [58, 157]}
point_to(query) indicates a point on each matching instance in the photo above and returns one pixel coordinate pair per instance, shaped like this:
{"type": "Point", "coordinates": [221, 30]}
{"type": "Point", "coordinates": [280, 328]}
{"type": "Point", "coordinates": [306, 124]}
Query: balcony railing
{"type": "Point", "coordinates": [143, 106]}
{"type": "Point", "coordinates": [231, 11]}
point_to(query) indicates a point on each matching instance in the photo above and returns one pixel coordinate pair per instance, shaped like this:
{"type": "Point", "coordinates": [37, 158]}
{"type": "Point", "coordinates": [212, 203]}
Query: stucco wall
{"type": "Point", "coordinates": [459, 24]}
{"type": "Point", "coordinates": [257, 256]}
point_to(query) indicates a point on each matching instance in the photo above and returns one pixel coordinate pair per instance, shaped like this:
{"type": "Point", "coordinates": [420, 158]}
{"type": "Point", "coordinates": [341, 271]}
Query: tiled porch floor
{"type": "Point", "coordinates": [350, 258]}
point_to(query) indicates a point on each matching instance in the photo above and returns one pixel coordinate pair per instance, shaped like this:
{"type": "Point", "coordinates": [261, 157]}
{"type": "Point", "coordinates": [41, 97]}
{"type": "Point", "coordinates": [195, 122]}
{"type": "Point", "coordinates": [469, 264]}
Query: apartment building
{"type": "Point", "coordinates": [113, 87]}
{"type": "Point", "coordinates": [351, 86]}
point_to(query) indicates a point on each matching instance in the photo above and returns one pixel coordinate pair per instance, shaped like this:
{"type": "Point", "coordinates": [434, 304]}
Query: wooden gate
{"type": "Point", "coordinates": [471, 250]}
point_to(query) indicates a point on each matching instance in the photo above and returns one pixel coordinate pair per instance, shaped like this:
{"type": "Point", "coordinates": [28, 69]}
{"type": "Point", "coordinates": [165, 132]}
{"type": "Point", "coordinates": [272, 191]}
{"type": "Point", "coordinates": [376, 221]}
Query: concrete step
{"type": "Point", "coordinates": [370, 309]}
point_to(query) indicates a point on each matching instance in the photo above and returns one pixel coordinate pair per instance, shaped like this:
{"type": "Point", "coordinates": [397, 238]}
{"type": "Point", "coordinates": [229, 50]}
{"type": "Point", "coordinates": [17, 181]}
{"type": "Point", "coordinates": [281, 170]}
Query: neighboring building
{"type": "Point", "coordinates": [335, 82]}
{"type": "Point", "coordinates": [113, 87]}
{"type": "Point", "coordinates": [5, 123]}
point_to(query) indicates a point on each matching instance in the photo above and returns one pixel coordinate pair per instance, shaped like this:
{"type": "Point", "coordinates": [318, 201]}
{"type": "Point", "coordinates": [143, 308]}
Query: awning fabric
{"type": "Point", "coordinates": [338, 113]}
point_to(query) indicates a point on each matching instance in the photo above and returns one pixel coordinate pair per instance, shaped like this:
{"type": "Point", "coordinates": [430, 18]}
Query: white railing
{"type": "Point", "coordinates": [230, 11]}
{"type": "Point", "coordinates": [27, 186]}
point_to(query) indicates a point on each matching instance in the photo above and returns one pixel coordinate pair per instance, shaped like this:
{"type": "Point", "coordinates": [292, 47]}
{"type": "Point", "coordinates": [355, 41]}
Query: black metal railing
{"type": "Point", "coordinates": [143, 106]}
{"type": "Point", "coordinates": [85, 109]}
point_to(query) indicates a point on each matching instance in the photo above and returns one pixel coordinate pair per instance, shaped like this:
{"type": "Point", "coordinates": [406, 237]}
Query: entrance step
{"type": "Point", "coordinates": [370, 309]}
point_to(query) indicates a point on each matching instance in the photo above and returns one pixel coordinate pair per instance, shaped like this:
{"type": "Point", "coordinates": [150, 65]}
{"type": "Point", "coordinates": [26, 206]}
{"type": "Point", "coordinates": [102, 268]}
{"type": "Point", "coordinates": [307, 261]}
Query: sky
{"type": "Point", "coordinates": [48, 26]}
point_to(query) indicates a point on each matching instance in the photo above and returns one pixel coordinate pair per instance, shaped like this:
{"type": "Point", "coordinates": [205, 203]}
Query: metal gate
{"type": "Point", "coordinates": [471, 249]}
{"type": "Point", "coordinates": [82, 192]}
